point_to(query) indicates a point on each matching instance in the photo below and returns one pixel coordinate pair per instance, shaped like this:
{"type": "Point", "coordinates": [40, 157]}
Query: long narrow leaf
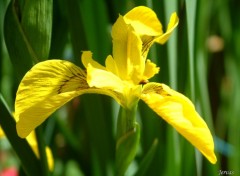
{"type": "Point", "coordinates": [144, 165]}
{"type": "Point", "coordinates": [36, 21]}
{"type": "Point", "coordinates": [19, 49]}
{"type": "Point", "coordinates": [173, 143]}
{"type": "Point", "coordinates": [191, 6]}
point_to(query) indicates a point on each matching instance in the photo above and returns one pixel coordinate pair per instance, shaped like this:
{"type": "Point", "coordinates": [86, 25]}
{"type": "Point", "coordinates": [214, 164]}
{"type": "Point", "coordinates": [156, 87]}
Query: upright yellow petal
{"type": "Point", "coordinates": [46, 87]}
{"type": "Point", "coordinates": [119, 35]}
{"type": "Point", "coordinates": [87, 58]}
{"type": "Point", "coordinates": [111, 65]}
{"type": "Point", "coordinates": [171, 25]}
{"type": "Point", "coordinates": [150, 69]}
{"type": "Point", "coordinates": [178, 111]}
{"type": "Point", "coordinates": [144, 21]}
{"type": "Point", "coordinates": [146, 24]}
{"type": "Point", "coordinates": [127, 51]}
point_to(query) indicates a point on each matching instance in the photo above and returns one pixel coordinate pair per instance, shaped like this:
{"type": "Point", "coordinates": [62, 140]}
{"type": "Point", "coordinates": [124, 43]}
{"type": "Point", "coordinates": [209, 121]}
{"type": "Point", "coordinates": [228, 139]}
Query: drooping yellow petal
{"type": "Point", "coordinates": [31, 138]}
{"type": "Point", "coordinates": [178, 111]}
{"type": "Point", "coordinates": [171, 25]}
{"type": "Point", "coordinates": [127, 53]}
{"type": "Point", "coordinates": [144, 21]}
{"type": "Point", "coordinates": [33, 116]}
{"type": "Point", "coordinates": [45, 88]}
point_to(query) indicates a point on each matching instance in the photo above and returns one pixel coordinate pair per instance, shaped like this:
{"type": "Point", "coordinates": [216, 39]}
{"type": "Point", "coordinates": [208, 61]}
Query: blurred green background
{"type": "Point", "coordinates": [201, 60]}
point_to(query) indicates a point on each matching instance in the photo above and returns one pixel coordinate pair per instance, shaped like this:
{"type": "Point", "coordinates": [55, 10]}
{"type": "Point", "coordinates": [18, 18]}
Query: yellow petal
{"type": "Point", "coordinates": [31, 138]}
{"type": "Point", "coordinates": [46, 87]}
{"type": "Point", "coordinates": [87, 58]}
{"type": "Point", "coordinates": [178, 111]}
{"type": "Point", "coordinates": [127, 51]}
{"type": "Point", "coordinates": [171, 25]}
{"type": "Point", "coordinates": [104, 79]}
{"type": "Point", "coordinates": [144, 21]}
{"type": "Point", "coordinates": [107, 83]}
{"type": "Point", "coordinates": [1, 133]}
{"type": "Point", "coordinates": [150, 69]}
{"type": "Point", "coordinates": [146, 25]}
{"type": "Point", "coordinates": [111, 65]}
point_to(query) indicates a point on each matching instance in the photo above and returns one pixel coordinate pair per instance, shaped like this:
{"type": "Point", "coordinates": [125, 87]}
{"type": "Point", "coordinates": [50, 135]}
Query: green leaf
{"type": "Point", "coordinates": [173, 157]}
{"type": "Point", "coordinates": [37, 25]}
{"type": "Point", "coordinates": [19, 49]}
{"type": "Point", "coordinates": [191, 19]}
{"type": "Point", "coordinates": [28, 159]}
{"type": "Point", "coordinates": [28, 33]}
{"type": "Point", "coordinates": [144, 165]}
{"type": "Point", "coordinates": [60, 30]}
{"type": "Point", "coordinates": [191, 9]}
{"type": "Point", "coordinates": [76, 27]}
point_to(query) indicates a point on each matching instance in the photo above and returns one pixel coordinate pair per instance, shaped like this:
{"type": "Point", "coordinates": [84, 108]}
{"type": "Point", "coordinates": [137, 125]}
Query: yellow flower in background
{"type": "Point", "coordinates": [1, 133]}
{"type": "Point", "coordinates": [31, 138]}
{"type": "Point", "coordinates": [50, 84]}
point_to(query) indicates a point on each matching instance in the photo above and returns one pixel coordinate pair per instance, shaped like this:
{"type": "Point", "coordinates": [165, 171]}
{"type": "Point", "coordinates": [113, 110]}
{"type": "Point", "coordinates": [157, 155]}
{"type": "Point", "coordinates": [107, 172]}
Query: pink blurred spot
{"type": "Point", "coordinates": [9, 172]}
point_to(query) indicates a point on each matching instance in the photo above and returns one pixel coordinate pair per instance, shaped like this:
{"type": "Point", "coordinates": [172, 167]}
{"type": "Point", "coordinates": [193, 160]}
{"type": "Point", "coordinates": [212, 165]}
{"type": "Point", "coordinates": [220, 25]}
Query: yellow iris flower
{"type": "Point", "coordinates": [52, 83]}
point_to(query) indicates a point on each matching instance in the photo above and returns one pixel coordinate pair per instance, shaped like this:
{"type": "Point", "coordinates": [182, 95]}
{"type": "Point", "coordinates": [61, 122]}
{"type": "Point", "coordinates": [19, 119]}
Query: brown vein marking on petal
{"type": "Point", "coordinates": [74, 81]}
{"type": "Point", "coordinates": [155, 88]}
{"type": "Point", "coordinates": [147, 41]}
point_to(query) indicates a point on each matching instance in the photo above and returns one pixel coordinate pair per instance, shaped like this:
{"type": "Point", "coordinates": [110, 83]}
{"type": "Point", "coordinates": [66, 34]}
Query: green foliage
{"type": "Point", "coordinates": [201, 60]}
{"type": "Point", "coordinates": [28, 30]}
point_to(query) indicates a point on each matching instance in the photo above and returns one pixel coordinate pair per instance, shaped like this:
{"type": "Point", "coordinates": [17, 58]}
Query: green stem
{"type": "Point", "coordinates": [126, 120]}
{"type": "Point", "coordinates": [128, 135]}
{"type": "Point", "coordinates": [42, 151]}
